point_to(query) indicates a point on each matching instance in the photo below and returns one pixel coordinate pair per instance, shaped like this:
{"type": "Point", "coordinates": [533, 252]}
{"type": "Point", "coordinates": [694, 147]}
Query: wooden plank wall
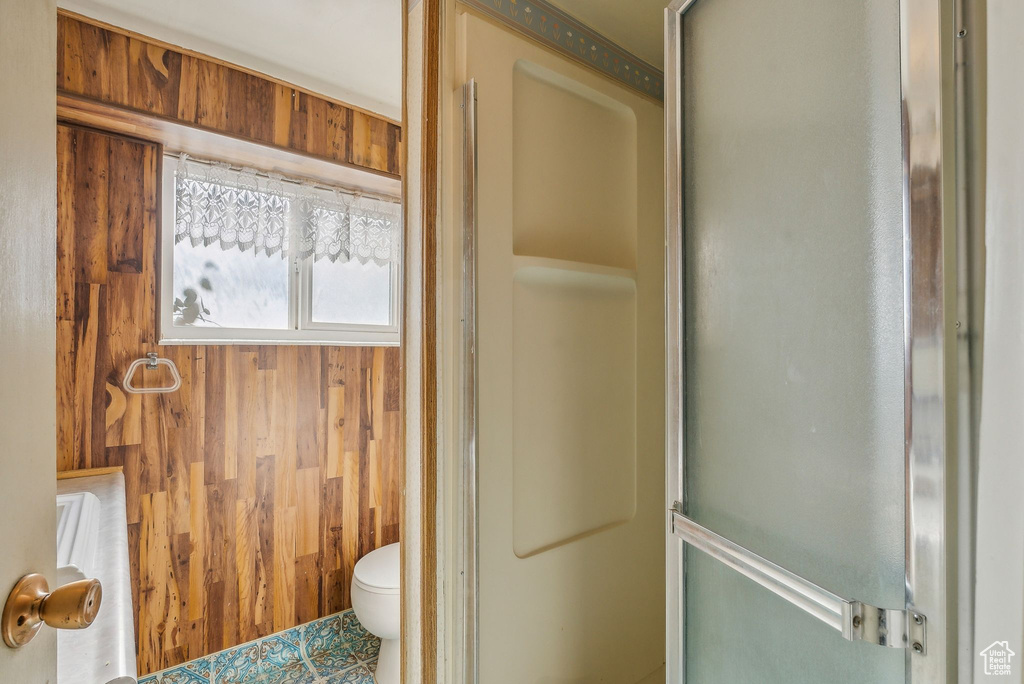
{"type": "Point", "coordinates": [141, 74]}
{"type": "Point", "coordinates": [253, 489]}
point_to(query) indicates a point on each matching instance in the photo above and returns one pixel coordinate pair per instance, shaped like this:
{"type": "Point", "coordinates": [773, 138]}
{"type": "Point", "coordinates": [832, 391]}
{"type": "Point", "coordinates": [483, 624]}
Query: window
{"type": "Point", "coordinates": [250, 258]}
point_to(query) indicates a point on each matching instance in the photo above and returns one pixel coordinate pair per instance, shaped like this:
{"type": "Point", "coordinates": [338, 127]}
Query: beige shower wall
{"type": "Point", "coordinates": [571, 218]}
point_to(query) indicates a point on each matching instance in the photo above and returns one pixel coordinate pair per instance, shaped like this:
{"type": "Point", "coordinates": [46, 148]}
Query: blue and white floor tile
{"type": "Point", "coordinates": [332, 650]}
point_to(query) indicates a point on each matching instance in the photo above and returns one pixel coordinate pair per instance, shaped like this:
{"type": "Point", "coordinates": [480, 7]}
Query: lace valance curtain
{"type": "Point", "coordinates": [245, 209]}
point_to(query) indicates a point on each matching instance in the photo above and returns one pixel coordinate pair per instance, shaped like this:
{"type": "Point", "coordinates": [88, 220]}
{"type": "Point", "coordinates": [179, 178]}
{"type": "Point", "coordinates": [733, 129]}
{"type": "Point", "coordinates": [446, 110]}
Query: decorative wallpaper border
{"type": "Point", "coordinates": [554, 28]}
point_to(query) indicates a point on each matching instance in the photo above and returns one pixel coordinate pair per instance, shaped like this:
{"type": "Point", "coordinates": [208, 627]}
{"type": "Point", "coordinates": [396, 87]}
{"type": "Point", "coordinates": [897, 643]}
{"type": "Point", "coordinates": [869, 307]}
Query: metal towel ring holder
{"type": "Point", "coordinates": [151, 362]}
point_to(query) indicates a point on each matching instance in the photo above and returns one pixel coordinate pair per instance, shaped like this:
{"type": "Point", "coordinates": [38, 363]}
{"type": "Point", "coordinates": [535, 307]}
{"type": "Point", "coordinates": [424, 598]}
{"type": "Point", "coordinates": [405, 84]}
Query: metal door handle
{"type": "Point", "coordinates": [857, 621]}
{"type": "Point", "coordinates": [31, 603]}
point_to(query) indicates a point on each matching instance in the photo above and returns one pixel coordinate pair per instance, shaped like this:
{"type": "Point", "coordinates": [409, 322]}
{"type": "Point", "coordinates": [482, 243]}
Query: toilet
{"type": "Point", "coordinates": [375, 599]}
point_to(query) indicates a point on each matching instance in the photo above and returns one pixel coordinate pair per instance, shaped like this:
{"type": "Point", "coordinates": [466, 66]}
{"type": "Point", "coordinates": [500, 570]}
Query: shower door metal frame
{"type": "Point", "coordinates": [470, 547]}
{"type": "Point", "coordinates": [926, 330]}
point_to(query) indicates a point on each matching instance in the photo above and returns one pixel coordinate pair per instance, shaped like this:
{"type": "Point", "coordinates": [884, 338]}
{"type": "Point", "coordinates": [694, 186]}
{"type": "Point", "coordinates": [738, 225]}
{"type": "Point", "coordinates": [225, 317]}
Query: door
{"type": "Point", "coordinates": [28, 191]}
{"type": "Point", "coordinates": [569, 351]}
{"type": "Point", "coordinates": [806, 355]}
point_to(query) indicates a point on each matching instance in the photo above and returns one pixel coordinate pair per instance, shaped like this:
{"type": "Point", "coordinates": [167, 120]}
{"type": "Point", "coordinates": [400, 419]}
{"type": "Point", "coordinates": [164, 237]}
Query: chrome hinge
{"type": "Point", "coordinates": [890, 627]}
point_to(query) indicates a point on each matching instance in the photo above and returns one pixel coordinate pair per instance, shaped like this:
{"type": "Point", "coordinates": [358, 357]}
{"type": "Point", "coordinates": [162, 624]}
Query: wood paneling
{"type": "Point", "coordinates": [134, 72]}
{"type": "Point", "coordinates": [201, 143]}
{"type": "Point", "coordinates": [254, 488]}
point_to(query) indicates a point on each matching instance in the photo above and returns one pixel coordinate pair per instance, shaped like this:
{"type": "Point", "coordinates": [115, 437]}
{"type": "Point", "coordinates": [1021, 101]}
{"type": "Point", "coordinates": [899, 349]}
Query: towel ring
{"type": "Point", "coordinates": [152, 362]}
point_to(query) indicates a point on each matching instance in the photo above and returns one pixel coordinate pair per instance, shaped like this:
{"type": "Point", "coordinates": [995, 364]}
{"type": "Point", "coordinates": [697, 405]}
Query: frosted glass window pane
{"type": "Point", "coordinates": [229, 288]}
{"type": "Point", "coordinates": [794, 328]}
{"type": "Point", "coordinates": [351, 292]}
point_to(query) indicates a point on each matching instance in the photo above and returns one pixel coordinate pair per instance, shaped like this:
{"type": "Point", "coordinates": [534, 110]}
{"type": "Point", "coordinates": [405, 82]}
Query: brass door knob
{"type": "Point", "coordinates": [30, 604]}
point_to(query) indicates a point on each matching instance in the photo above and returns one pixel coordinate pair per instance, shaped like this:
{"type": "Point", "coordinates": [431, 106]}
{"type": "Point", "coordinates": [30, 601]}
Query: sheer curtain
{"type": "Point", "coordinates": [249, 210]}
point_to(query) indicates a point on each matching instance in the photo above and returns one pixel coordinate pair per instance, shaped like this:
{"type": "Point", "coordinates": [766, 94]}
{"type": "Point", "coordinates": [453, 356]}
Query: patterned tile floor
{"type": "Point", "coordinates": [332, 650]}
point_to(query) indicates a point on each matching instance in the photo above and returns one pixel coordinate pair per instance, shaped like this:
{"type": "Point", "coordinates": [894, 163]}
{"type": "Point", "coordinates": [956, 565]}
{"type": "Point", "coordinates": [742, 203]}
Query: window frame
{"type": "Point", "coordinates": [301, 328]}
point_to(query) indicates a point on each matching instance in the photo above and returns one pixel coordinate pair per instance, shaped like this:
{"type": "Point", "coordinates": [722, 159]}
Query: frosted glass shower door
{"type": "Point", "coordinates": [788, 480]}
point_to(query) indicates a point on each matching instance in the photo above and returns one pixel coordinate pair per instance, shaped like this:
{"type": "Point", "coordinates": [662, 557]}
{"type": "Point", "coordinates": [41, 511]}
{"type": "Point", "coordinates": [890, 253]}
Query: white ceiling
{"type": "Point", "coordinates": [350, 50]}
{"type": "Point", "coordinates": [637, 25]}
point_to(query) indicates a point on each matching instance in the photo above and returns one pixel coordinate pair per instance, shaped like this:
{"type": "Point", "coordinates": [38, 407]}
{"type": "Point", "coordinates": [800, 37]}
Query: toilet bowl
{"type": "Point", "coordinates": [375, 600]}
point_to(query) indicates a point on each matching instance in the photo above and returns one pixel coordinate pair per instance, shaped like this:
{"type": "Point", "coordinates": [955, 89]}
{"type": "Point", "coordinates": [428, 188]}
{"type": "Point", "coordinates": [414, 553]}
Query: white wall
{"type": "Point", "coordinates": [350, 50]}
{"type": "Point", "coordinates": [999, 613]}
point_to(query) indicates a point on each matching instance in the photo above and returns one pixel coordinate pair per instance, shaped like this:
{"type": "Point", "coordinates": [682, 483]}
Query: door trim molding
{"type": "Point", "coordinates": [420, 605]}
{"type": "Point", "coordinates": [429, 198]}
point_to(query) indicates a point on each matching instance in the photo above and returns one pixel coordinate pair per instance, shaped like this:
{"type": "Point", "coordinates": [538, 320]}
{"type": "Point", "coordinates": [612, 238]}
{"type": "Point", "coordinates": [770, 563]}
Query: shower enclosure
{"type": "Point", "coordinates": [809, 334]}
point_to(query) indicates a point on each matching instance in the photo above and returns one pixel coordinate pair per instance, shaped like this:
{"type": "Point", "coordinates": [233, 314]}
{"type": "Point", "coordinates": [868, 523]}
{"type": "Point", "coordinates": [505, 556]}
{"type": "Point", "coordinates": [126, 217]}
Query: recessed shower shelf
{"type": "Point", "coordinates": [520, 262]}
